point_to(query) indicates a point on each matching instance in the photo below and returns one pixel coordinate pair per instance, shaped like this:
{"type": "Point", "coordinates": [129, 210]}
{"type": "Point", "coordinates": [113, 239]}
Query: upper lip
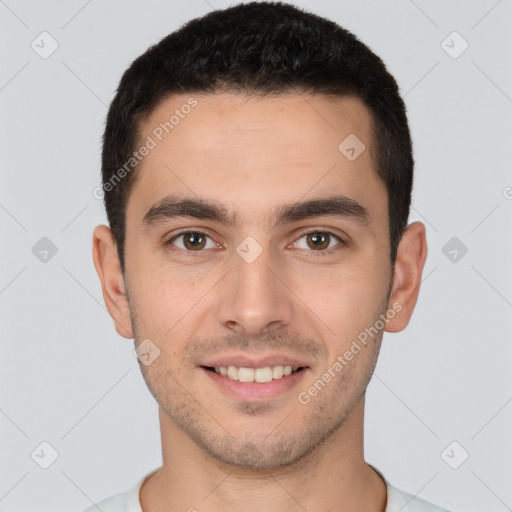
{"type": "Point", "coordinates": [245, 361]}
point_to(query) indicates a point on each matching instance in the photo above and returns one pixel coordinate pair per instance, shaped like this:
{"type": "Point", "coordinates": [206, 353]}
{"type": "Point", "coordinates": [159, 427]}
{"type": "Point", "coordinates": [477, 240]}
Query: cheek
{"type": "Point", "coordinates": [344, 293]}
{"type": "Point", "coordinates": [156, 306]}
{"type": "Point", "coordinates": [169, 307]}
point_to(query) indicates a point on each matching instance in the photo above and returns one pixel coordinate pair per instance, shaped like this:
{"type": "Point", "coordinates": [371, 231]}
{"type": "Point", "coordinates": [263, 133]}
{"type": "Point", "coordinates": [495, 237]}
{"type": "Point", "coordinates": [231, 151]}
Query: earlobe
{"type": "Point", "coordinates": [408, 270]}
{"type": "Point", "coordinates": [106, 262]}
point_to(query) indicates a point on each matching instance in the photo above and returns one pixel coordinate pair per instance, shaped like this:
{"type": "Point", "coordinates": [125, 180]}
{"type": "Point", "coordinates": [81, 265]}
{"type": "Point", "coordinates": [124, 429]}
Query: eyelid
{"type": "Point", "coordinates": [320, 229]}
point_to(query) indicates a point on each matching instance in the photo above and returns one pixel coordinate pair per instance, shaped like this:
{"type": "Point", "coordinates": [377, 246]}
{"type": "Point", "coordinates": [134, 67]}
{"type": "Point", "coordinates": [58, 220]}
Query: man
{"type": "Point", "coordinates": [257, 169]}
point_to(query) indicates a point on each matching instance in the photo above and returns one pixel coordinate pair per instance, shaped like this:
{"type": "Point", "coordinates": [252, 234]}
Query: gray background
{"type": "Point", "coordinates": [69, 380]}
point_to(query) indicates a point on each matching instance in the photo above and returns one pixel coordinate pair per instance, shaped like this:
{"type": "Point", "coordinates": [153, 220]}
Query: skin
{"type": "Point", "coordinates": [253, 155]}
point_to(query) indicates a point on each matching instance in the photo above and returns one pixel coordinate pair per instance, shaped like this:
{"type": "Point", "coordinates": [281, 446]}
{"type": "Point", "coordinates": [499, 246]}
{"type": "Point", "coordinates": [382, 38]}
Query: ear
{"type": "Point", "coordinates": [409, 263]}
{"type": "Point", "coordinates": [108, 267]}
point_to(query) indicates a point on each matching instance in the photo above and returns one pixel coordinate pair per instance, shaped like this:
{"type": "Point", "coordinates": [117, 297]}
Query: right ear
{"type": "Point", "coordinates": [108, 267]}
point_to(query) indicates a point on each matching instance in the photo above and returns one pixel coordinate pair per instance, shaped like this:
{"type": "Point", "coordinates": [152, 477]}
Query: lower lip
{"type": "Point", "coordinates": [256, 390]}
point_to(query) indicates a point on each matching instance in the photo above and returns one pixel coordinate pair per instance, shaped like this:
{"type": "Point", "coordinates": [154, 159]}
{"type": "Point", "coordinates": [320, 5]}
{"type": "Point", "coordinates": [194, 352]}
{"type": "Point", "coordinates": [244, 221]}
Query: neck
{"type": "Point", "coordinates": [331, 478]}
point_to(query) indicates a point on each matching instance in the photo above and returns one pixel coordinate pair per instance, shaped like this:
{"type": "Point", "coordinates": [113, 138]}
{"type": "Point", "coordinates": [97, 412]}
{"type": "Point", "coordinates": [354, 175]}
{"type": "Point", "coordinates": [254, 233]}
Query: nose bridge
{"type": "Point", "coordinates": [253, 300]}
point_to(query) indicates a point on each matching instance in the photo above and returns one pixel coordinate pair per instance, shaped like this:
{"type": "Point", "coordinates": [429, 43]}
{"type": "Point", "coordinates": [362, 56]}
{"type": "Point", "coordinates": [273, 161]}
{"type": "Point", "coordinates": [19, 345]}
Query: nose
{"type": "Point", "coordinates": [253, 298]}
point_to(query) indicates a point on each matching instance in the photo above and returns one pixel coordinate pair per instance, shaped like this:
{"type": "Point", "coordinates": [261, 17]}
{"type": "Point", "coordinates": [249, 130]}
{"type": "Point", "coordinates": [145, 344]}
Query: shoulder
{"type": "Point", "coordinates": [404, 502]}
{"type": "Point", "coordinates": [123, 502]}
{"type": "Point", "coordinates": [116, 503]}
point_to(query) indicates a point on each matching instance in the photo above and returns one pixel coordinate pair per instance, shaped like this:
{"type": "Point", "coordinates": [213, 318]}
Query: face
{"type": "Point", "coordinates": [253, 241]}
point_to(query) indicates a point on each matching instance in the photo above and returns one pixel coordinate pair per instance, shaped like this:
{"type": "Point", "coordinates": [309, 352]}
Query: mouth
{"type": "Point", "coordinates": [255, 375]}
{"type": "Point", "coordinates": [264, 381]}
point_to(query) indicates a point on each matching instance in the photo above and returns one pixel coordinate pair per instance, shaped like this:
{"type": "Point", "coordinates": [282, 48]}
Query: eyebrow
{"type": "Point", "coordinates": [173, 206]}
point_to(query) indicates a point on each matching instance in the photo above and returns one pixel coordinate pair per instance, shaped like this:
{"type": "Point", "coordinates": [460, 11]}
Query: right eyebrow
{"type": "Point", "coordinates": [173, 206]}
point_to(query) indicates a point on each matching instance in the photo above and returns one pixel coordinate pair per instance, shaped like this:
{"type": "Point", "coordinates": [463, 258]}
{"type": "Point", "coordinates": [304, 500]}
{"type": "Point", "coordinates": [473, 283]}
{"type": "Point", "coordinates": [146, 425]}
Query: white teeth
{"type": "Point", "coordinates": [277, 372]}
{"type": "Point", "coordinates": [246, 374]}
{"type": "Point", "coordinates": [232, 372]}
{"type": "Point", "coordinates": [265, 374]}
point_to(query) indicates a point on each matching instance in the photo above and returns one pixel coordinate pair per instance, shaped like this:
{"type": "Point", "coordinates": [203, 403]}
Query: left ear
{"type": "Point", "coordinates": [409, 263]}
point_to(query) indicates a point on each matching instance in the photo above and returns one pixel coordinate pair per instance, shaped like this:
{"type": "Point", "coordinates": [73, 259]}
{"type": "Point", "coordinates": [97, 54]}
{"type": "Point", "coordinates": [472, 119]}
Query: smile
{"type": "Point", "coordinates": [261, 375]}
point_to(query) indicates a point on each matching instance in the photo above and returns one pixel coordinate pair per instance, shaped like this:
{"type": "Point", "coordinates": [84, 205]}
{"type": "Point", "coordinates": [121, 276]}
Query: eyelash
{"type": "Point", "coordinates": [319, 253]}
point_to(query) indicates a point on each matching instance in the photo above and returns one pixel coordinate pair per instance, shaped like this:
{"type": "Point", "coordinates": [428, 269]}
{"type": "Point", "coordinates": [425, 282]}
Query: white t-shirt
{"type": "Point", "coordinates": [398, 501]}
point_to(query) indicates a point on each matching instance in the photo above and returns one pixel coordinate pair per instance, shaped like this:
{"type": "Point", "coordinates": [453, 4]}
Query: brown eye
{"type": "Point", "coordinates": [318, 240]}
{"type": "Point", "coordinates": [192, 241]}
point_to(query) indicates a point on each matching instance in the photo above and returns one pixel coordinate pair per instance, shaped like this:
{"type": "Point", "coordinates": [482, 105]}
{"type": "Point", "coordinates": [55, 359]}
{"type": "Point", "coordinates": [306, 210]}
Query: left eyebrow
{"type": "Point", "coordinates": [337, 206]}
{"type": "Point", "coordinates": [174, 206]}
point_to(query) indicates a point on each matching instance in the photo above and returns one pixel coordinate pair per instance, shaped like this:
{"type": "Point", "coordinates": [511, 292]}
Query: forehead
{"type": "Point", "coordinates": [256, 151]}
{"type": "Point", "coordinates": [213, 116]}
